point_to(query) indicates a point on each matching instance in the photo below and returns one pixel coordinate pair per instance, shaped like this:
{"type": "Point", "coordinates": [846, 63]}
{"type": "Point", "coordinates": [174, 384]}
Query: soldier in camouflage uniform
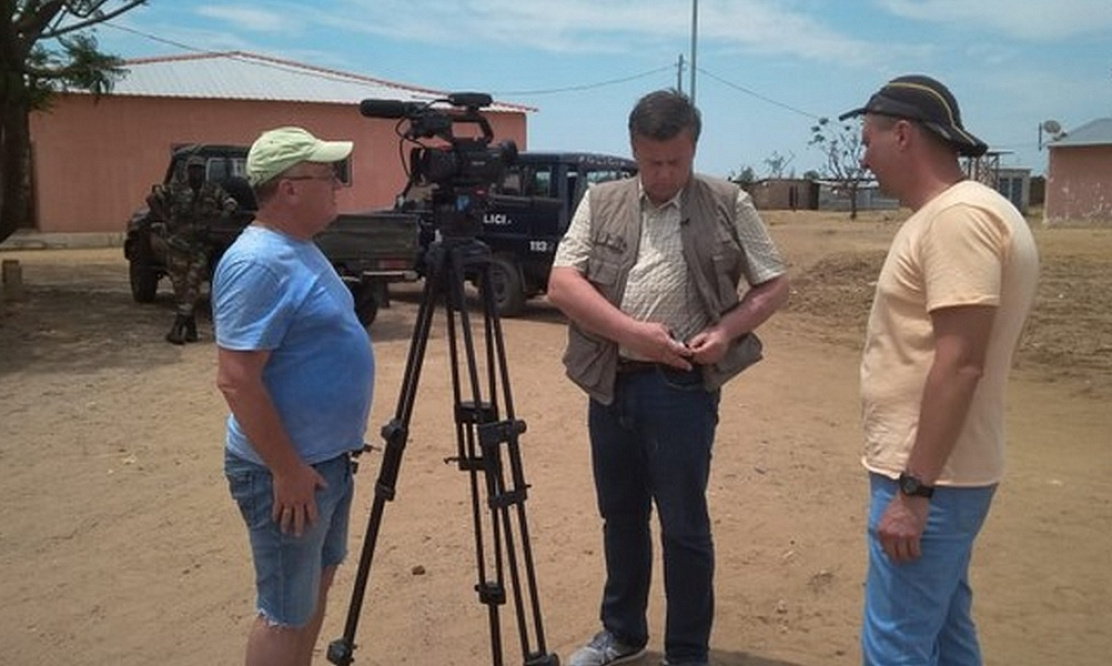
{"type": "Point", "coordinates": [187, 205]}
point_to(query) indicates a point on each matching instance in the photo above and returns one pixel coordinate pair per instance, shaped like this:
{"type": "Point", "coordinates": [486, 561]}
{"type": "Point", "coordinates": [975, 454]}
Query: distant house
{"type": "Point", "coordinates": [1037, 187]}
{"type": "Point", "coordinates": [784, 194]}
{"type": "Point", "coordinates": [833, 195]}
{"type": "Point", "coordinates": [1015, 184]}
{"type": "Point", "coordinates": [1012, 182]}
{"type": "Point", "coordinates": [93, 161]}
{"type": "Point", "coordinates": [1079, 176]}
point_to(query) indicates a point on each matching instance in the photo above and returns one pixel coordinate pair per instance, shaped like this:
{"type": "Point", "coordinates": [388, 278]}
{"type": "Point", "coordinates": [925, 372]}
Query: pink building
{"type": "Point", "coordinates": [1079, 177]}
{"type": "Point", "coordinates": [93, 162]}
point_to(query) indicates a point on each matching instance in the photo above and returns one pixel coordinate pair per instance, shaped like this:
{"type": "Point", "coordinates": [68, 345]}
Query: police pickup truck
{"type": "Point", "coordinates": [368, 250]}
{"type": "Point", "coordinates": [528, 212]}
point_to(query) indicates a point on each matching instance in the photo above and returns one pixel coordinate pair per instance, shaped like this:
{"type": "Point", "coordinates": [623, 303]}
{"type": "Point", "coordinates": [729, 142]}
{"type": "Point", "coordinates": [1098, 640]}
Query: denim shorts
{"type": "Point", "coordinates": [287, 567]}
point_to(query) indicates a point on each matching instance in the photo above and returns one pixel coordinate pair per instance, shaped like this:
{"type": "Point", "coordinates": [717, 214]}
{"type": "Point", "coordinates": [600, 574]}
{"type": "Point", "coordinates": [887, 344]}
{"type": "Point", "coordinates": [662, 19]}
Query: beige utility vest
{"type": "Point", "coordinates": [715, 264]}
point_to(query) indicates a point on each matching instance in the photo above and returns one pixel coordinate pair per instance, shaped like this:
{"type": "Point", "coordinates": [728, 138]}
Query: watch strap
{"type": "Point", "coordinates": [913, 487]}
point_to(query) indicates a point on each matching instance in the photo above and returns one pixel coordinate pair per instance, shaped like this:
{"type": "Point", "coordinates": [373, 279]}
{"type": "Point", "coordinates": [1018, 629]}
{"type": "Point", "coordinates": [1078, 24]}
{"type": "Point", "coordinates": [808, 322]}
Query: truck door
{"type": "Point", "coordinates": [524, 213]}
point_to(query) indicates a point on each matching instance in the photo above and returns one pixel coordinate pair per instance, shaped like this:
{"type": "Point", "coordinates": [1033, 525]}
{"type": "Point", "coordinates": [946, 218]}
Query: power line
{"type": "Point", "coordinates": [510, 93]}
{"type": "Point", "coordinates": [161, 40]}
{"type": "Point", "coordinates": [759, 96]}
{"type": "Point", "coordinates": [587, 86]}
{"type": "Point", "coordinates": [265, 62]}
{"type": "Point", "coordinates": [500, 93]}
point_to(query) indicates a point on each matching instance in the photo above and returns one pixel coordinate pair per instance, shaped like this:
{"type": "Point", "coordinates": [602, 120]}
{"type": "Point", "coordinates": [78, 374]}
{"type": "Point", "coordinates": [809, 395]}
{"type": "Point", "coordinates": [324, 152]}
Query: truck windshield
{"type": "Point", "coordinates": [601, 176]}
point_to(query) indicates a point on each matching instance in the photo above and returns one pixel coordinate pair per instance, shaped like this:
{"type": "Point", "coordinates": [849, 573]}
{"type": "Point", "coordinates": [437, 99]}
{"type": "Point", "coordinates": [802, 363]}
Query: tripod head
{"type": "Point", "coordinates": [454, 171]}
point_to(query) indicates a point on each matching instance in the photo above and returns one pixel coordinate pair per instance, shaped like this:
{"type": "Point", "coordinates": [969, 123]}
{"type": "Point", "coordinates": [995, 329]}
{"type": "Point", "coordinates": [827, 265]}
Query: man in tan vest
{"type": "Point", "coordinates": [649, 275]}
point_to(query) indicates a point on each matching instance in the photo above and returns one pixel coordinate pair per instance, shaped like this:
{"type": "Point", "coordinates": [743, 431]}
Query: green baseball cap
{"type": "Point", "coordinates": [279, 149]}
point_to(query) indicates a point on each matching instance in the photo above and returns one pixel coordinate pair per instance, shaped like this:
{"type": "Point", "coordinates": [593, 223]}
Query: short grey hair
{"type": "Point", "coordinates": [663, 114]}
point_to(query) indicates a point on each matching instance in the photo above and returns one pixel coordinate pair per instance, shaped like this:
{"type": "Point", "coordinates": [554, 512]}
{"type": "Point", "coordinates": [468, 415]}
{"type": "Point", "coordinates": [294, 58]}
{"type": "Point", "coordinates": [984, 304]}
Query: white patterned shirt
{"type": "Point", "coordinates": [658, 287]}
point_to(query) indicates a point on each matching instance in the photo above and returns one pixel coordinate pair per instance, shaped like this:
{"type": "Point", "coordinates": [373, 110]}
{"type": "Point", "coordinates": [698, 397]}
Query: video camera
{"type": "Point", "coordinates": [459, 172]}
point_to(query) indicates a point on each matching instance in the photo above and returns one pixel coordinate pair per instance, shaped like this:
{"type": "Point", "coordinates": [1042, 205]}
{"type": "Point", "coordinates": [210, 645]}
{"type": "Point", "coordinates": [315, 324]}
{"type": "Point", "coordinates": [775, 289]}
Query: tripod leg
{"type": "Point", "coordinates": [480, 420]}
{"type": "Point", "coordinates": [395, 434]}
{"type": "Point", "coordinates": [507, 435]}
{"type": "Point", "coordinates": [469, 414]}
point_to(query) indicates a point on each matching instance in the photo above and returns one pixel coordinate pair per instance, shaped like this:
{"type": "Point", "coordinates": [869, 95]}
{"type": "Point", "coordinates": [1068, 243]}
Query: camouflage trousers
{"type": "Point", "coordinates": [187, 270]}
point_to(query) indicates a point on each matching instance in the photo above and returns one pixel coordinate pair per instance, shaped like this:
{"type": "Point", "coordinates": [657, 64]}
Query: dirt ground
{"type": "Point", "coordinates": [119, 544]}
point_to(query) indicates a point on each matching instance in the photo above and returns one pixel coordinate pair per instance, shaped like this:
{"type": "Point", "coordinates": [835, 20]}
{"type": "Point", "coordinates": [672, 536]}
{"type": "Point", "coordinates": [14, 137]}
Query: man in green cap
{"type": "Point", "coordinates": [297, 370]}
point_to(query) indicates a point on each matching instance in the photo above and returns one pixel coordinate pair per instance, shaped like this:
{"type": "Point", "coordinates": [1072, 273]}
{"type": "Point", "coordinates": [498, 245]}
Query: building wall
{"type": "Point", "coordinates": [832, 196]}
{"type": "Point", "coordinates": [785, 194]}
{"type": "Point", "coordinates": [1079, 185]}
{"type": "Point", "coordinates": [95, 162]}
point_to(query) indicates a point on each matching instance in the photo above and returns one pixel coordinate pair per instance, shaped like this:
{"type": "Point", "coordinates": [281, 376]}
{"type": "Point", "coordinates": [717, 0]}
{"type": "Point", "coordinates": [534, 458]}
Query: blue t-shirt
{"type": "Point", "coordinates": [275, 292]}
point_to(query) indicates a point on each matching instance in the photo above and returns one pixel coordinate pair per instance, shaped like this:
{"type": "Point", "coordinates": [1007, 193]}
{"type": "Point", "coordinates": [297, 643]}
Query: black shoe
{"type": "Point", "coordinates": [176, 336]}
{"type": "Point", "coordinates": [191, 329]}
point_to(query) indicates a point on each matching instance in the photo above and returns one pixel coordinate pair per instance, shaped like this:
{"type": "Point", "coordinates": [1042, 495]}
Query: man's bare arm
{"type": "Point", "coordinates": [239, 377]}
{"type": "Point", "coordinates": [961, 343]}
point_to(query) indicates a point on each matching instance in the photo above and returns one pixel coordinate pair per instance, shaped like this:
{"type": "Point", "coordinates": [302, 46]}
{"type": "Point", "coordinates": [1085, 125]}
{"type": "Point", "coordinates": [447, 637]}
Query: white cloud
{"type": "Point", "coordinates": [1036, 21]}
{"type": "Point", "coordinates": [253, 19]}
{"type": "Point", "coordinates": [610, 26]}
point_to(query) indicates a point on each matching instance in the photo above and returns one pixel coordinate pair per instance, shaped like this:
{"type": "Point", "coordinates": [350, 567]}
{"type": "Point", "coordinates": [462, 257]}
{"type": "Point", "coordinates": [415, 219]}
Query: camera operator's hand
{"type": "Point", "coordinates": [295, 504]}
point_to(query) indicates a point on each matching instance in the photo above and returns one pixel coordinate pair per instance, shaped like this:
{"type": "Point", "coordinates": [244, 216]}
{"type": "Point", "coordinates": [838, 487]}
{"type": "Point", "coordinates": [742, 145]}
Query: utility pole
{"type": "Point", "coordinates": [694, 39]}
{"type": "Point", "coordinates": [679, 74]}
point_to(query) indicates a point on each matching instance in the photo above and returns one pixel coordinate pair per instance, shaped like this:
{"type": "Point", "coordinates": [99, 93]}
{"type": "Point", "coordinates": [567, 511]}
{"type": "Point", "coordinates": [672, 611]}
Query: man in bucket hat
{"type": "Point", "coordinates": [950, 303]}
{"type": "Point", "coordinates": [297, 370]}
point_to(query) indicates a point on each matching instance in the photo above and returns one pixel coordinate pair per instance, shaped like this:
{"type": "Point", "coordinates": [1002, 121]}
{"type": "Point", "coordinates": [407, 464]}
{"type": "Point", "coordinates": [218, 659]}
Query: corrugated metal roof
{"type": "Point", "coordinates": [1095, 133]}
{"type": "Point", "coordinates": [240, 75]}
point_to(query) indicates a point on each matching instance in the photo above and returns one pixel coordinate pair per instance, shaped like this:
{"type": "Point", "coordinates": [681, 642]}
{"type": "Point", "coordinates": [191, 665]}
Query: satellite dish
{"type": "Point", "coordinates": [1051, 127]}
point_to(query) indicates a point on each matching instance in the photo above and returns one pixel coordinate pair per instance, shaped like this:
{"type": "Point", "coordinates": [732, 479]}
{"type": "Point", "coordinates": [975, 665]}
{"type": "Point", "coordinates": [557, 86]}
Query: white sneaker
{"type": "Point", "coordinates": [605, 649]}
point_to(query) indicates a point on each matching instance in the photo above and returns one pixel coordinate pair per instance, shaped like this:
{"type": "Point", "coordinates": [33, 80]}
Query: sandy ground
{"type": "Point", "coordinates": [119, 544]}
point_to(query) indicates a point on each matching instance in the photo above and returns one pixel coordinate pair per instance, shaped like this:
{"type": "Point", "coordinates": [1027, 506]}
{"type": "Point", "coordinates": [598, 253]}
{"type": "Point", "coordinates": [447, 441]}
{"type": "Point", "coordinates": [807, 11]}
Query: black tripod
{"type": "Point", "coordinates": [487, 447]}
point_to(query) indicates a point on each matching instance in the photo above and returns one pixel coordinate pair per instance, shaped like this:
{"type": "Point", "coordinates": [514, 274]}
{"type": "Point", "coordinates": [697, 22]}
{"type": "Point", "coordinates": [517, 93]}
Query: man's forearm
{"type": "Point", "coordinates": [960, 348]}
{"type": "Point", "coordinates": [256, 414]}
{"type": "Point", "coordinates": [942, 412]}
{"type": "Point", "coordinates": [758, 304]}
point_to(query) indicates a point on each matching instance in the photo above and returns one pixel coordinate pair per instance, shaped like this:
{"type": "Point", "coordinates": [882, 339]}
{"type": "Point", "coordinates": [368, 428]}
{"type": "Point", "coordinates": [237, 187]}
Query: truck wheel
{"type": "Point", "coordinates": [142, 272]}
{"type": "Point", "coordinates": [506, 282]}
{"type": "Point", "coordinates": [366, 302]}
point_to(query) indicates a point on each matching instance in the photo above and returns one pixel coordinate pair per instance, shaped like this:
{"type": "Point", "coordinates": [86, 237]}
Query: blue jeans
{"type": "Point", "coordinates": [288, 568]}
{"type": "Point", "coordinates": [653, 444]}
{"type": "Point", "coordinates": [920, 613]}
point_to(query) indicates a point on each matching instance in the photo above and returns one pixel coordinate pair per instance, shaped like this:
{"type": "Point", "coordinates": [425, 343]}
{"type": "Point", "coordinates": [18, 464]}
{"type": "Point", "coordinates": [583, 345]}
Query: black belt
{"type": "Point", "coordinates": [628, 366]}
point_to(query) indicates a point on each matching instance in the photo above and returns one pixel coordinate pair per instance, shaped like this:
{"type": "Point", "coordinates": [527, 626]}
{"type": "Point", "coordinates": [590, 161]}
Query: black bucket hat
{"type": "Point", "coordinates": [924, 100]}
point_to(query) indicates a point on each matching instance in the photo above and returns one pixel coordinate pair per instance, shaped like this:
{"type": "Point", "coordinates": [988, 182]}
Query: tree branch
{"type": "Point", "coordinates": [34, 19]}
{"type": "Point", "coordinates": [99, 18]}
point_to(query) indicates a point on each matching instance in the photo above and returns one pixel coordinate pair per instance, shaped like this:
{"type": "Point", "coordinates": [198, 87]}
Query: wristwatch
{"type": "Point", "coordinates": [911, 485]}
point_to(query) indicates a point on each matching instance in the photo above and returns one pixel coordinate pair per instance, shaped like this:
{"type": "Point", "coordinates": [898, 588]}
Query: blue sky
{"type": "Point", "coordinates": [766, 69]}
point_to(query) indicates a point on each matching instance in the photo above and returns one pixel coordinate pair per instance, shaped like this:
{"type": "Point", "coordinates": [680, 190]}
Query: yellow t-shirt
{"type": "Point", "coordinates": [968, 246]}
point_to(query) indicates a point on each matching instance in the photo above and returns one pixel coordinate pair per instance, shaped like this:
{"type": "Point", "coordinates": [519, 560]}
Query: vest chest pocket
{"type": "Point", "coordinates": [727, 255]}
{"type": "Point", "coordinates": [603, 271]}
{"type": "Point", "coordinates": [729, 266]}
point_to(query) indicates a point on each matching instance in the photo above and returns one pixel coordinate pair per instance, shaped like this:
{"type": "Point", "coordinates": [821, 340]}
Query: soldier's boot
{"type": "Point", "coordinates": [191, 329]}
{"type": "Point", "coordinates": [176, 336]}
